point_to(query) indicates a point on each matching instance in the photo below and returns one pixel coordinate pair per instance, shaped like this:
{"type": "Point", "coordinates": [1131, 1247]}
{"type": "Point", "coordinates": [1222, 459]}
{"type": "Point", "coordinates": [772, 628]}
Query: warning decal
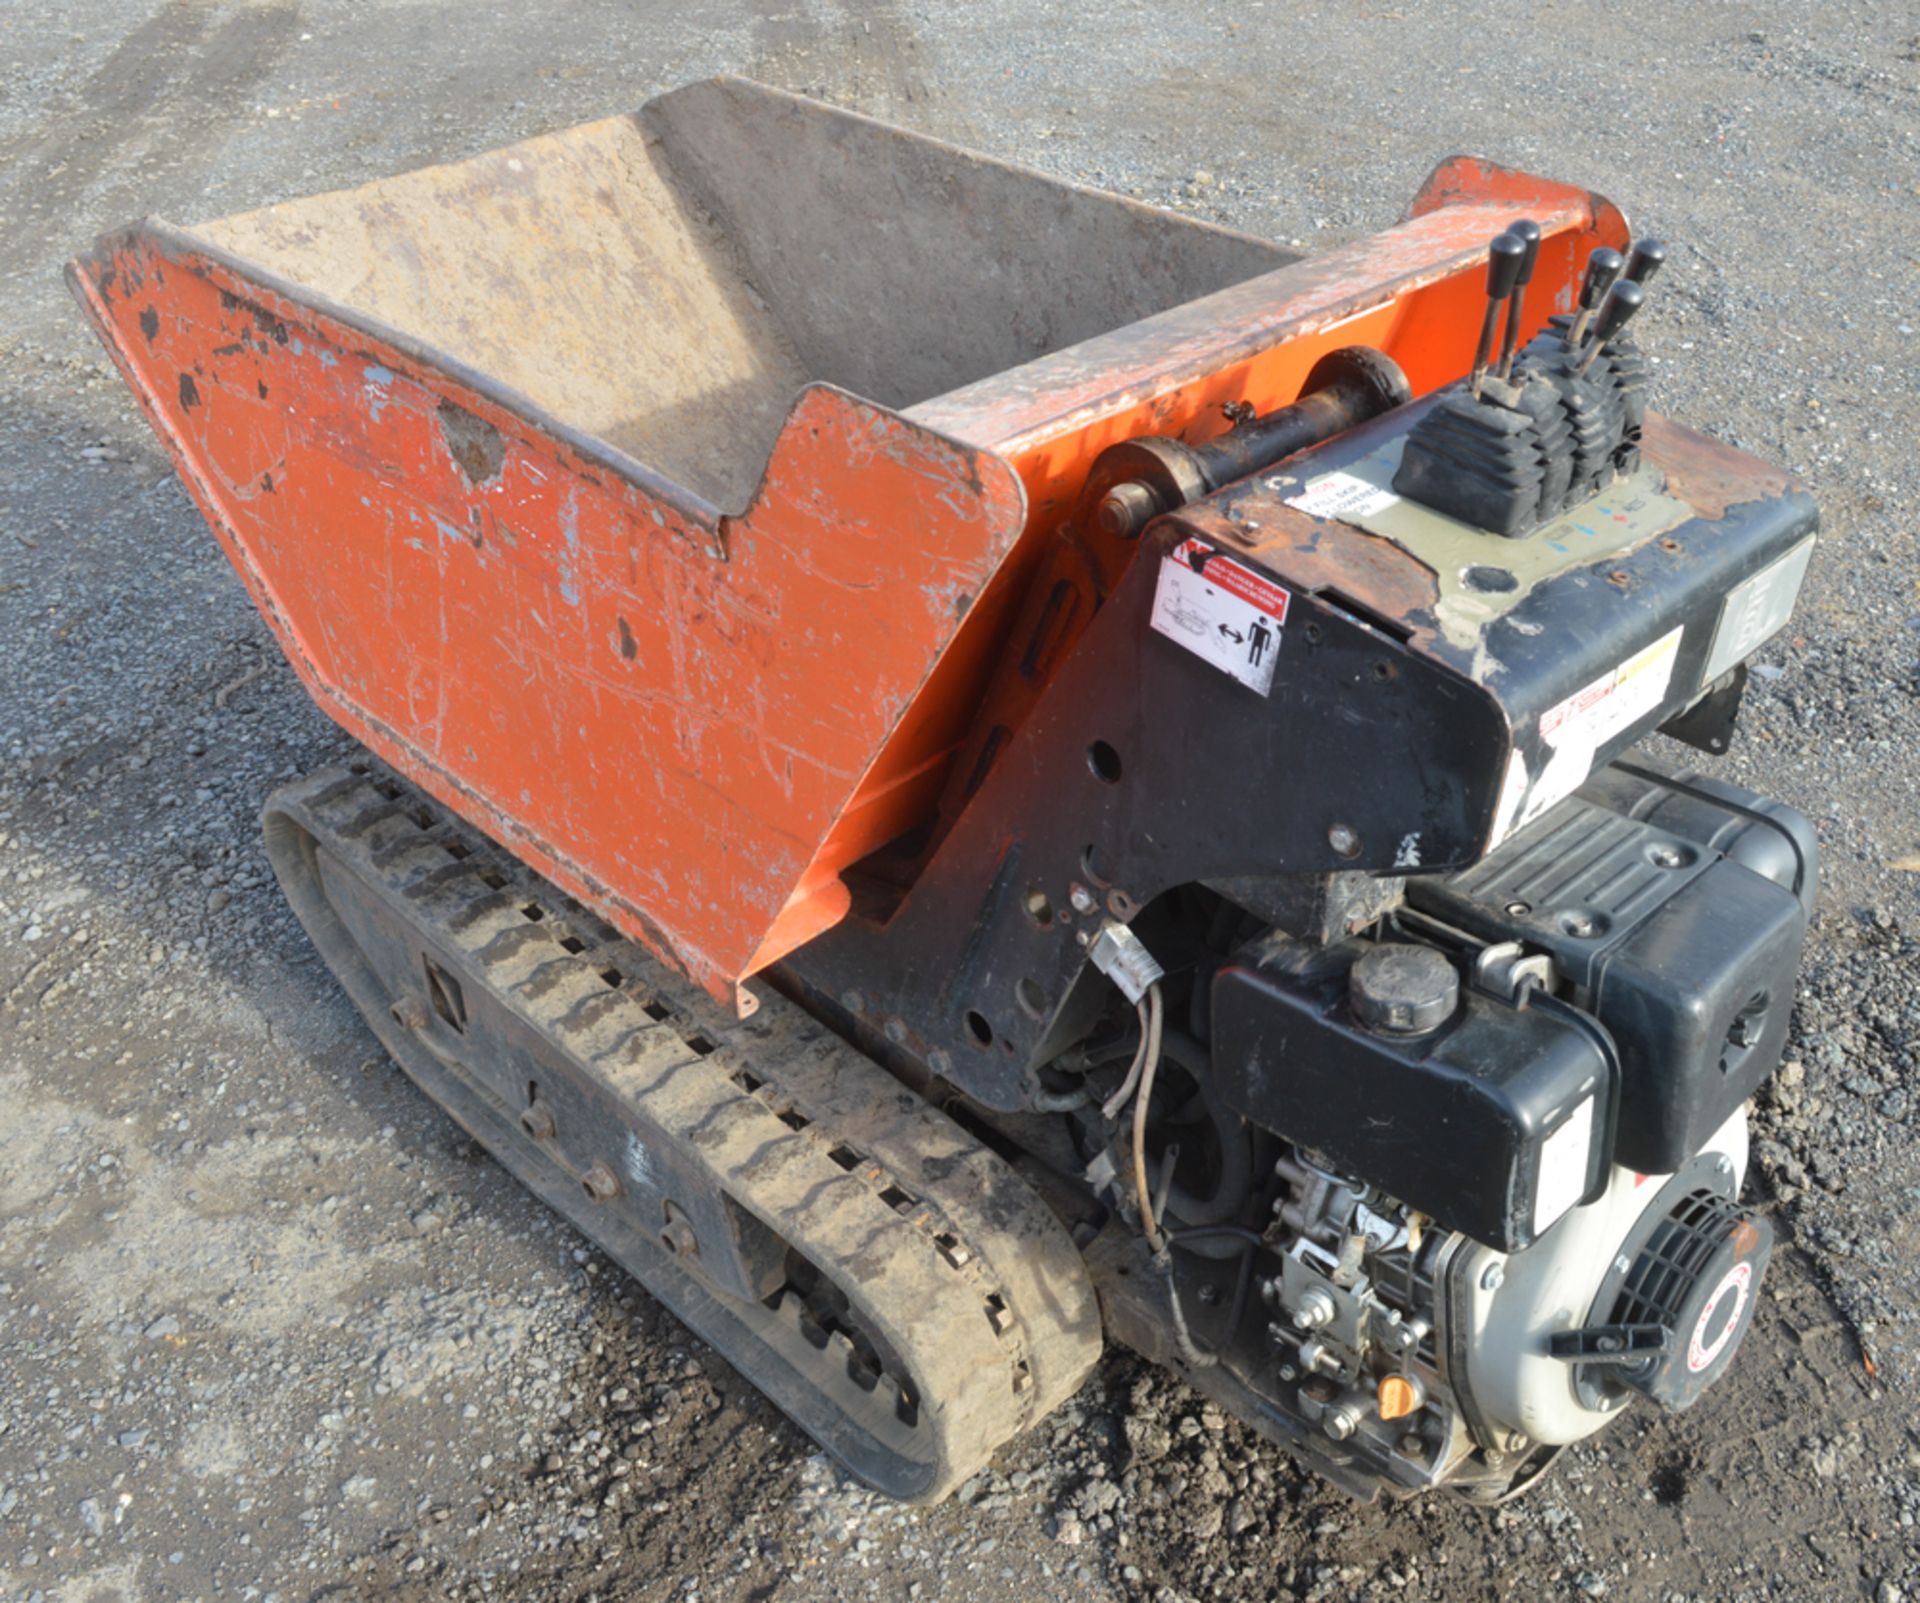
{"type": "Point", "coordinates": [1344, 497]}
{"type": "Point", "coordinates": [1222, 611]}
{"type": "Point", "coordinates": [1594, 715]}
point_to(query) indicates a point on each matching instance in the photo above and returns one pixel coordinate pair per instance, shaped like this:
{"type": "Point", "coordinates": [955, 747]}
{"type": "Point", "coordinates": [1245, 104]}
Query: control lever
{"type": "Point", "coordinates": [1503, 268]}
{"type": "Point", "coordinates": [1528, 233]}
{"type": "Point", "coordinates": [1623, 300]}
{"type": "Point", "coordinates": [1647, 258]}
{"type": "Point", "coordinates": [1603, 268]}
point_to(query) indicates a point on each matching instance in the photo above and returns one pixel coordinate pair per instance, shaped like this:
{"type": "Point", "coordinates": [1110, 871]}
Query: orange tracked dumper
{"type": "Point", "coordinates": [958, 763]}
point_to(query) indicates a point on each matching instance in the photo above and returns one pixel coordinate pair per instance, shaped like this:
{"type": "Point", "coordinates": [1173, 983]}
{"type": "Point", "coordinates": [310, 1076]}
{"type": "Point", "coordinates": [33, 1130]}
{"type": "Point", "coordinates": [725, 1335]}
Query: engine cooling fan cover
{"type": "Point", "coordinates": [1697, 1274]}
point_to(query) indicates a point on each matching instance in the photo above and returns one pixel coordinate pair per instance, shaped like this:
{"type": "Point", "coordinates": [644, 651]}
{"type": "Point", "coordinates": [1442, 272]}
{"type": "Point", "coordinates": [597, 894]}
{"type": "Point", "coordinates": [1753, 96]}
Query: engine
{"type": "Point", "coordinates": [1473, 1141]}
{"type": "Point", "coordinates": [1486, 1155]}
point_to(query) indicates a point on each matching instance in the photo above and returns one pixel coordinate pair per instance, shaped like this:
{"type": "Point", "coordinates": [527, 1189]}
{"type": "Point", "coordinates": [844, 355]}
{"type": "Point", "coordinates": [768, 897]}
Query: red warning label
{"type": "Point", "coordinates": [1221, 610]}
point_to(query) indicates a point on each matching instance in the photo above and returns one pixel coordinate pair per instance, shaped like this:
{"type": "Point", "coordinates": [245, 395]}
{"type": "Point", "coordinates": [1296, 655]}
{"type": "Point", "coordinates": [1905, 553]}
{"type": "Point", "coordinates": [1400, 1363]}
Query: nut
{"type": "Point", "coordinates": [600, 1183]}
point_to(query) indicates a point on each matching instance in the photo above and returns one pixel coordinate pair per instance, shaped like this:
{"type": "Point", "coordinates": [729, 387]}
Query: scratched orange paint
{"type": "Point", "coordinates": [692, 725]}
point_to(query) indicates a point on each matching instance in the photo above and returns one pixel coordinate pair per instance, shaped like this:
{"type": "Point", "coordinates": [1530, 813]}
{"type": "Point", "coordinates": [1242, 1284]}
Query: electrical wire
{"type": "Point", "coordinates": [1150, 1065]}
{"type": "Point", "coordinates": [1110, 1109]}
{"type": "Point", "coordinates": [1251, 1238]}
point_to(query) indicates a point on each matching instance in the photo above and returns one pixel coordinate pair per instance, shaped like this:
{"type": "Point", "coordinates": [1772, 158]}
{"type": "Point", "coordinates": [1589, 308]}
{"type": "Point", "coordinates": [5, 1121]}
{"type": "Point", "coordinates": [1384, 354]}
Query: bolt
{"type": "Point", "coordinates": [1723, 1163]}
{"type": "Point", "coordinates": [1340, 1421]}
{"type": "Point", "coordinates": [410, 1013]}
{"type": "Point", "coordinates": [1318, 1361]}
{"type": "Point", "coordinates": [1577, 925]}
{"type": "Point", "coordinates": [1609, 1344]}
{"type": "Point", "coordinates": [601, 1183]}
{"type": "Point", "coordinates": [1413, 1446]}
{"type": "Point", "coordinates": [1210, 1295]}
{"type": "Point", "coordinates": [1623, 1263]}
{"type": "Point", "coordinates": [1668, 856]}
{"type": "Point", "coordinates": [678, 1238]}
{"type": "Point", "coordinates": [1493, 1277]}
{"type": "Point", "coordinates": [1083, 900]}
{"type": "Point", "coordinates": [1316, 1308]}
{"type": "Point", "coordinates": [896, 1030]}
{"type": "Point", "coordinates": [1125, 510]}
{"type": "Point", "coordinates": [1345, 840]}
{"type": "Point", "coordinates": [537, 1121]}
{"type": "Point", "coordinates": [853, 1001]}
{"type": "Point", "coordinates": [1288, 1372]}
{"type": "Point", "coordinates": [1519, 909]}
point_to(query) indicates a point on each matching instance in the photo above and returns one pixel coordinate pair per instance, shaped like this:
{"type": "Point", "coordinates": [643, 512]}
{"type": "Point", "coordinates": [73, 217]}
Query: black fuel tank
{"type": "Point", "coordinates": [1495, 1123]}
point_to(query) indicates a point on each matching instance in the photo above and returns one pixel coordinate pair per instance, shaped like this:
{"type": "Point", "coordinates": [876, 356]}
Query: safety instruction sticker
{"type": "Point", "coordinates": [1222, 611]}
{"type": "Point", "coordinates": [1574, 730]}
{"type": "Point", "coordinates": [1343, 497]}
{"type": "Point", "coordinates": [1594, 714]}
{"type": "Point", "coordinates": [1566, 1161]}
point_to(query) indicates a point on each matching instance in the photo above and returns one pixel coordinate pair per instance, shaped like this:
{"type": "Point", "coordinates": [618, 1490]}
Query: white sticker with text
{"type": "Point", "coordinates": [1342, 496]}
{"type": "Point", "coordinates": [1221, 611]}
{"type": "Point", "coordinates": [1575, 729]}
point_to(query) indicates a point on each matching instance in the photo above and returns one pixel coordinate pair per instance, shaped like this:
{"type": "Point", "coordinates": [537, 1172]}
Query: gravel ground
{"type": "Point", "coordinates": [269, 1327]}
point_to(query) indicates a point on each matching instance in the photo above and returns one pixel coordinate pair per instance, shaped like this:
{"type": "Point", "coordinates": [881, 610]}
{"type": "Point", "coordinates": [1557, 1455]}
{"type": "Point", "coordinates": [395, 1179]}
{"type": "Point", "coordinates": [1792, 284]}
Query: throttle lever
{"type": "Point", "coordinates": [1503, 269]}
{"type": "Point", "coordinates": [1528, 233]}
{"type": "Point", "coordinates": [1623, 300]}
{"type": "Point", "coordinates": [1603, 269]}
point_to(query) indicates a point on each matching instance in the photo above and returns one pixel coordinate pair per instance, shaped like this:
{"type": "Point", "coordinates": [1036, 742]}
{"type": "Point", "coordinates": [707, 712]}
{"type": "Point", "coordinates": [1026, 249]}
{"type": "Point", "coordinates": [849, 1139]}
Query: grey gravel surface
{"type": "Point", "coordinates": [270, 1328]}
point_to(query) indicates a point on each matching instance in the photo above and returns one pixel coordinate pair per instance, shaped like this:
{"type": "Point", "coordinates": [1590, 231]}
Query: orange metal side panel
{"type": "Point", "coordinates": [539, 635]}
{"type": "Point", "coordinates": [691, 721]}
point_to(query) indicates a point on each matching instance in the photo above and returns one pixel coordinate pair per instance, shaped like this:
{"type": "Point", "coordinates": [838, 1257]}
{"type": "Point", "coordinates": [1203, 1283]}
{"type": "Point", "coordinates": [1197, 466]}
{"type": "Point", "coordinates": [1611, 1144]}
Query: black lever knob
{"type": "Point", "coordinates": [1647, 258]}
{"type": "Point", "coordinates": [1623, 300]}
{"type": "Point", "coordinates": [1528, 233]}
{"type": "Point", "coordinates": [1603, 268]}
{"type": "Point", "coordinates": [1504, 256]}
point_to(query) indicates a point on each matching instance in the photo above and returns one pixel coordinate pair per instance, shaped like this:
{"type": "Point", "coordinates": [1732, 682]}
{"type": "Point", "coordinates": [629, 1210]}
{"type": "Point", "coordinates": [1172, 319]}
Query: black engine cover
{"type": "Point", "coordinates": [1494, 1124]}
{"type": "Point", "coordinates": [1676, 907]}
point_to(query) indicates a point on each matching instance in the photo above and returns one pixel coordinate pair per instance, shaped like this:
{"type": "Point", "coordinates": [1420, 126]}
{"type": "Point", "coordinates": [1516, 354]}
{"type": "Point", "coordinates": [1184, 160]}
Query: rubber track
{"type": "Point", "coordinates": [949, 1262]}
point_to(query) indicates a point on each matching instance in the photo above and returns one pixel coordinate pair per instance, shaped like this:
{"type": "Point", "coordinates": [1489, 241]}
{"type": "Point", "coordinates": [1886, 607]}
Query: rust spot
{"type": "Point", "coordinates": [149, 323]}
{"type": "Point", "coordinates": [189, 393]}
{"type": "Point", "coordinates": [628, 647]}
{"type": "Point", "coordinates": [266, 482]}
{"type": "Point", "coordinates": [1621, 577]}
{"type": "Point", "coordinates": [473, 443]}
{"type": "Point", "coordinates": [262, 386]}
{"type": "Point", "coordinates": [269, 325]}
{"type": "Point", "coordinates": [1707, 474]}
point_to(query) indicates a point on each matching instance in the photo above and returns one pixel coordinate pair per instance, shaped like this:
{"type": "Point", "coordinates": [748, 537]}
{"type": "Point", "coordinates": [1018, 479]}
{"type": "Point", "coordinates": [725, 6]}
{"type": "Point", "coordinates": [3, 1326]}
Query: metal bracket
{"type": "Point", "coordinates": [1506, 967]}
{"type": "Point", "coordinates": [1708, 724]}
